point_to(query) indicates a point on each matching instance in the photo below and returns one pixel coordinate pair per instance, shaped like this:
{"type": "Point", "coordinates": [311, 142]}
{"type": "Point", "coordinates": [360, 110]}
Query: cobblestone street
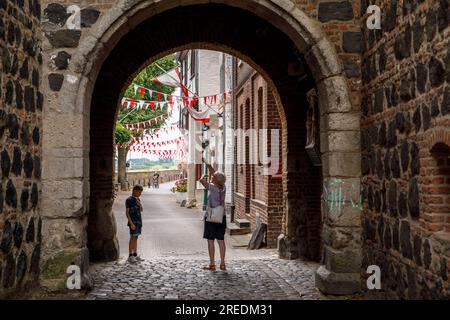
{"type": "Point", "coordinates": [175, 253]}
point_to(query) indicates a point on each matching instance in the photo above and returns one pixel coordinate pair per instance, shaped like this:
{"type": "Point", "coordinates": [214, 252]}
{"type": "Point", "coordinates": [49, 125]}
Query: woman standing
{"type": "Point", "coordinates": [215, 231]}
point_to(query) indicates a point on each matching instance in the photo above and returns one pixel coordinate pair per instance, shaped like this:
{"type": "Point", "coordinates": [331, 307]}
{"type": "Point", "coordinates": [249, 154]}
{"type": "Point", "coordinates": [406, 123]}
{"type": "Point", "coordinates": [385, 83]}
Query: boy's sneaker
{"type": "Point", "coordinates": [131, 259]}
{"type": "Point", "coordinates": [138, 258]}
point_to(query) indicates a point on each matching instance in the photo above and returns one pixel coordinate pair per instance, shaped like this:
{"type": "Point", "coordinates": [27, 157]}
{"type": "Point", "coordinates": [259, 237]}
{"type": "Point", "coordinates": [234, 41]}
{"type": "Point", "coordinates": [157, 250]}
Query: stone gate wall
{"type": "Point", "coordinates": [405, 111]}
{"type": "Point", "coordinates": [21, 104]}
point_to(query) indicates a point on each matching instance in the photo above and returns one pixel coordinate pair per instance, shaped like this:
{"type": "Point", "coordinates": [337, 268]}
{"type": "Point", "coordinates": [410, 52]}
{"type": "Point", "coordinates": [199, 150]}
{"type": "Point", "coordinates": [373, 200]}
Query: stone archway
{"type": "Point", "coordinates": [82, 156]}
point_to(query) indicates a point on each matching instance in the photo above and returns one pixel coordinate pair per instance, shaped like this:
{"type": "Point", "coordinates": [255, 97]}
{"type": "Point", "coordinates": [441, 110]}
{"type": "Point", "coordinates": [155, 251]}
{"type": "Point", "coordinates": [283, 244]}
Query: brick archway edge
{"type": "Point", "coordinates": [67, 147]}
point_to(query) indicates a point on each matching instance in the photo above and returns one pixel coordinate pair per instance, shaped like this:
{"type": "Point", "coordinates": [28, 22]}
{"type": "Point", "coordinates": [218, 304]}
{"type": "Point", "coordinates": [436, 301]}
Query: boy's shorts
{"type": "Point", "coordinates": [137, 231]}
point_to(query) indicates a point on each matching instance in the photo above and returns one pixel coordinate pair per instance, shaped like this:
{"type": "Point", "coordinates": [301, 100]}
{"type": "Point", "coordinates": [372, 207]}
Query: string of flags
{"type": "Point", "coordinates": [170, 98]}
{"type": "Point", "coordinates": [148, 123]}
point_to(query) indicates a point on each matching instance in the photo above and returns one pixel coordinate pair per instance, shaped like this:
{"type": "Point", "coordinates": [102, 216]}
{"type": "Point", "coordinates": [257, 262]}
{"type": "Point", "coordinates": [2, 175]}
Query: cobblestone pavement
{"type": "Point", "coordinates": [175, 254]}
{"type": "Point", "coordinates": [184, 279]}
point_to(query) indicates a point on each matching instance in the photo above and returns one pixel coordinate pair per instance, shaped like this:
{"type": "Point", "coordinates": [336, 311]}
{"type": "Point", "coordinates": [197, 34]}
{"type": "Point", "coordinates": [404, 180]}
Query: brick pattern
{"type": "Point", "coordinates": [21, 103]}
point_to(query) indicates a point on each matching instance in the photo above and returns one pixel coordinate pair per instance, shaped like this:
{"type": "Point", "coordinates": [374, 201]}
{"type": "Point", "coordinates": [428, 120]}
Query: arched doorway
{"type": "Point", "coordinates": [301, 59]}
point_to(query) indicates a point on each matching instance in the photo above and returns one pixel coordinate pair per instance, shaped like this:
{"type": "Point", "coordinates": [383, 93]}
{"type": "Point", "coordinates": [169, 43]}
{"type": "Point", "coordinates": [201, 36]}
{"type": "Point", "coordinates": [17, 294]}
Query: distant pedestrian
{"type": "Point", "coordinates": [212, 230]}
{"type": "Point", "coordinates": [133, 212]}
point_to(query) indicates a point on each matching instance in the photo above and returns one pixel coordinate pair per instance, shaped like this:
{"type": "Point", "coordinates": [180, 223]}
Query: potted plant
{"type": "Point", "coordinates": [180, 190]}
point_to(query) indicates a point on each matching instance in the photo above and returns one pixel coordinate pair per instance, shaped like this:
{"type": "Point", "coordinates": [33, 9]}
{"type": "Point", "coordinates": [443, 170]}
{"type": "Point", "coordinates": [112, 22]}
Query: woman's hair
{"type": "Point", "coordinates": [220, 177]}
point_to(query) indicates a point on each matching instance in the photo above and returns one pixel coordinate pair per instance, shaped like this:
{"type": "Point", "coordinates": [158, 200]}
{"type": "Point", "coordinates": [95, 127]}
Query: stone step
{"type": "Point", "coordinates": [233, 229]}
{"type": "Point", "coordinates": [242, 223]}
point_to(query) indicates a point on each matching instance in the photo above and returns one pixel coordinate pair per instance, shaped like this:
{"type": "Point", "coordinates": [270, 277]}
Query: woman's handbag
{"type": "Point", "coordinates": [215, 215]}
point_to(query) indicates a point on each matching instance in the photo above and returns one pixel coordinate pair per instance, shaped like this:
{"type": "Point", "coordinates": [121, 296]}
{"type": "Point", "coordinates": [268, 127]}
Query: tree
{"type": "Point", "coordinates": [124, 136]}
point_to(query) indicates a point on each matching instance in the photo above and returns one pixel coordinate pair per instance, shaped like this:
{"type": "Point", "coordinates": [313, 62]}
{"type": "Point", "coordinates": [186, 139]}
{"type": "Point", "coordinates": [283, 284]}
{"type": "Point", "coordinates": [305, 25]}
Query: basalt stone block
{"type": "Point", "coordinates": [387, 237]}
{"type": "Point", "coordinates": [417, 35]}
{"type": "Point", "coordinates": [352, 69]}
{"type": "Point", "coordinates": [400, 122]}
{"type": "Point", "coordinates": [382, 59]}
{"type": "Point", "coordinates": [37, 167]}
{"type": "Point", "coordinates": [34, 261]}
{"type": "Point", "coordinates": [378, 100]}
{"type": "Point", "coordinates": [7, 237]}
{"type": "Point", "coordinates": [426, 117]}
{"type": "Point", "coordinates": [443, 14]}
{"type": "Point", "coordinates": [413, 198]}
{"type": "Point", "coordinates": [370, 197]}
{"type": "Point", "coordinates": [35, 8]}
{"type": "Point", "coordinates": [28, 165]}
{"type": "Point", "coordinates": [436, 72]}
{"type": "Point", "coordinates": [35, 78]}
{"type": "Point", "coordinates": [445, 105]}
{"type": "Point", "coordinates": [405, 240]}
{"type": "Point", "coordinates": [6, 163]}
{"type": "Point", "coordinates": [392, 135]}
{"type": "Point", "coordinates": [431, 24]}
{"type": "Point", "coordinates": [19, 95]}
{"type": "Point", "coordinates": [62, 60]}
{"type": "Point", "coordinates": [402, 205]}
{"type": "Point", "coordinates": [17, 162]}
{"type": "Point", "coordinates": [380, 229]}
{"type": "Point", "coordinates": [29, 237]}
{"type": "Point", "coordinates": [9, 271]}
{"type": "Point", "coordinates": [380, 169]}
{"type": "Point", "coordinates": [447, 66]}
{"type": "Point", "coordinates": [444, 269]}
{"type": "Point", "coordinates": [21, 266]}
{"type": "Point", "coordinates": [365, 166]}
{"type": "Point", "coordinates": [392, 198]}
{"type": "Point", "coordinates": [394, 96]}
{"type": "Point", "coordinates": [40, 100]}
{"type": "Point", "coordinates": [417, 120]}
{"type": "Point", "coordinates": [377, 201]}
{"type": "Point", "coordinates": [9, 92]}
{"type": "Point", "coordinates": [1, 199]}
{"type": "Point", "coordinates": [390, 16]}
{"type": "Point", "coordinates": [18, 235]}
{"type": "Point", "coordinates": [342, 10]}
{"type": "Point", "coordinates": [395, 165]}
{"type": "Point", "coordinates": [426, 254]}
{"type": "Point", "coordinates": [25, 133]}
{"type": "Point", "coordinates": [418, 250]}
{"type": "Point", "coordinates": [56, 14]}
{"type": "Point", "coordinates": [30, 102]}
{"type": "Point", "coordinates": [15, 65]}
{"type": "Point", "coordinates": [30, 47]}
{"type": "Point", "coordinates": [382, 134]}
{"type": "Point", "coordinates": [415, 161]}
{"type": "Point", "coordinates": [369, 230]}
{"type": "Point", "coordinates": [352, 42]}
{"type": "Point", "coordinates": [36, 135]}
{"type": "Point", "coordinates": [402, 44]}
{"type": "Point", "coordinates": [34, 196]}
{"type": "Point", "coordinates": [89, 16]}
{"type": "Point", "coordinates": [404, 154]}
{"type": "Point", "coordinates": [10, 37]}
{"type": "Point", "coordinates": [24, 199]}
{"type": "Point", "coordinates": [435, 108]}
{"type": "Point", "coordinates": [6, 60]}
{"type": "Point", "coordinates": [2, 27]}
{"type": "Point", "coordinates": [39, 231]}
{"type": "Point", "coordinates": [387, 164]}
{"type": "Point", "coordinates": [407, 90]}
{"type": "Point", "coordinates": [64, 38]}
{"type": "Point", "coordinates": [11, 195]}
{"type": "Point", "coordinates": [13, 126]}
{"type": "Point", "coordinates": [396, 236]}
{"type": "Point", "coordinates": [421, 76]}
{"type": "Point", "coordinates": [23, 72]}
{"type": "Point", "coordinates": [56, 81]}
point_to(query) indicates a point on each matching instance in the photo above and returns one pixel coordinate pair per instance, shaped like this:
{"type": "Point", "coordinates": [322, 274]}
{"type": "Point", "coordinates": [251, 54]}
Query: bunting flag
{"type": "Point", "coordinates": [200, 116]}
{"type": "Point", "coordinates": [147, 123]}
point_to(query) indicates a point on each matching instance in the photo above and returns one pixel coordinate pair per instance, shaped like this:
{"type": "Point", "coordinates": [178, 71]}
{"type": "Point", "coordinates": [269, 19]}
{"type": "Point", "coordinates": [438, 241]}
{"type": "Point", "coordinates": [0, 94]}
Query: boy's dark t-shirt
{"type": "Point", "coordinates": [135, 210]}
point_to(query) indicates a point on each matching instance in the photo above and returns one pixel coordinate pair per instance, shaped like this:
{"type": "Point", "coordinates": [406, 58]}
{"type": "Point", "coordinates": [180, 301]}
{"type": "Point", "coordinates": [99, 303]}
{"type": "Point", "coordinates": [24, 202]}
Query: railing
{"type": "Point", "coordinates": [145, 177]}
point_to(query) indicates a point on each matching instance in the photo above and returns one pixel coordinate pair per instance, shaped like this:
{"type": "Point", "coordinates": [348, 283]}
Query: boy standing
{"type": "Point", "coordinates": [134, 215]}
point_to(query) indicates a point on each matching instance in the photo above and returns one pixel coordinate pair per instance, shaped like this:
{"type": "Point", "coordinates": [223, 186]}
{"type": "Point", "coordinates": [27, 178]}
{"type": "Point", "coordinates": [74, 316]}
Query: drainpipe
{"type": "Point", "coordinates": [233, 126]}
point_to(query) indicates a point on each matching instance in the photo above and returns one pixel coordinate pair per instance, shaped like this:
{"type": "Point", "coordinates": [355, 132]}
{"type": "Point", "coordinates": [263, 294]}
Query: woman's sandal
{"type": "Point", "coordinates": [211, 267]}
{"type": "Point", "coordinates": [222, 267]}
